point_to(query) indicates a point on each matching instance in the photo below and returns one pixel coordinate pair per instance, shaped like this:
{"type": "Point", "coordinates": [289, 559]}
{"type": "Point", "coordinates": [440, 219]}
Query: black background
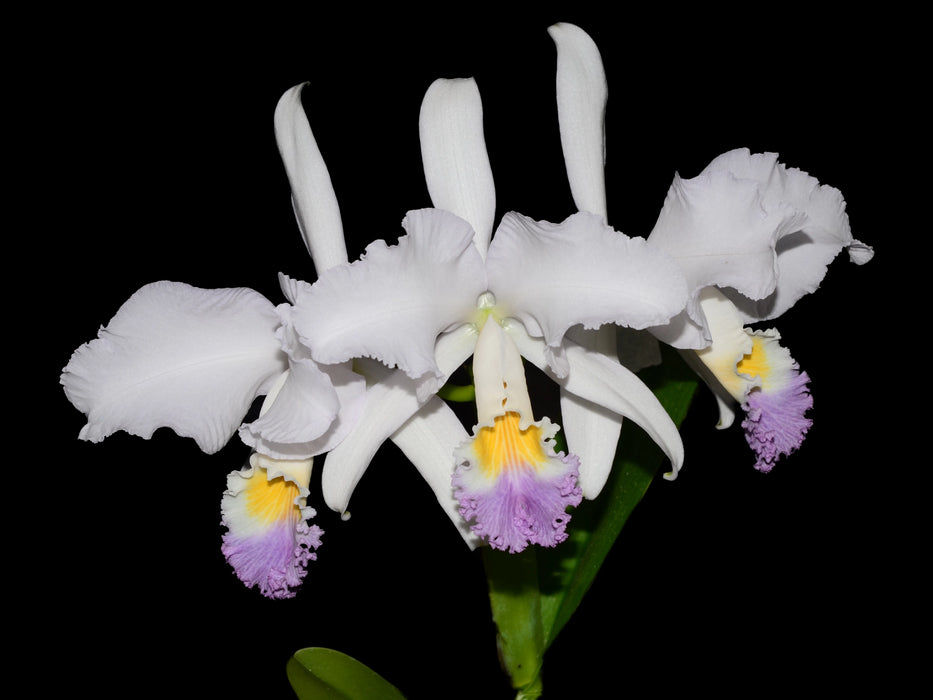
{"type": "Point", "coordinates": [153, 158]}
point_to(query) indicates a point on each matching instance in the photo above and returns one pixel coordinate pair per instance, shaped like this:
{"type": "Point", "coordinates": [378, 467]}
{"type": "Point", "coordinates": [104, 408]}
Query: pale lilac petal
{"type": "Point", "coordinates": [313, 197]}
{"type": "Point", "coordinates": [428, 440]}
{"type": "Point", "coordinates": [581, 109]}
{"type": "Point", "coordinates": [393, 303]}
{"type": "Point", "coordinates": [177, 356]}
{"type": "Point", "coordinates": [594, 377]}
{"type": "Point", "coordinates": [391, 399]}
{"type": "Point", "coordinates": [269, 542]}
{"type": "Point", "coordinates": [453, 150]}
{"type": "Point", "coordinates": [554, 276]}
{"type": "Point", "coordinates": [775, 422]}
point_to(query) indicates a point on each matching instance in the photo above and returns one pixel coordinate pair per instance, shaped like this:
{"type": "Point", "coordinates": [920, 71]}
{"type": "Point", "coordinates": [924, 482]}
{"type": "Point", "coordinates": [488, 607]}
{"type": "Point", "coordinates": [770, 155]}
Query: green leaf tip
{"type": "Point", "coordinates": [316, 673]}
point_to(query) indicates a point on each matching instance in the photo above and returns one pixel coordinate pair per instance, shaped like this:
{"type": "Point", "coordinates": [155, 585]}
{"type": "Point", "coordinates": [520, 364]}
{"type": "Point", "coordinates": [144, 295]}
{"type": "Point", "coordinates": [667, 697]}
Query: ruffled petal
{"type": "Point", "coordinates": [594, 377]}
{"type": "Point", "coordinates": [428, 440]}
{"type": "Point", "coordinates": [453, 150]}
{"type": "Point", "coordinates": [775, 422]}
{"type": "Point", "coordinates": [312, 407]}
{"type": "Point", "coordinates": [722, 229]}
{"type": "Point", "coordinates": [313, 197]}
{"type": "Point", "coordinates": [512, 487]}
{"type": "Point", "coordinates": [810, 220]}
{"type": "Point", "coordinates": [752, 369]}
{"type": "Point", "coordinates": [391, 399]}
{"type": "Point", "coordinates": [314, 410]}
{"type": "Point", "coordinates": [177, 356]}
{"type": "Point", "coordinates": [581, 110]}
{"type": "Point", "coordinates": [394, 302]}
{"type": "Point", "coordinates": [268, 540]}
{"type": "Point", "coordinates": [554, 276]}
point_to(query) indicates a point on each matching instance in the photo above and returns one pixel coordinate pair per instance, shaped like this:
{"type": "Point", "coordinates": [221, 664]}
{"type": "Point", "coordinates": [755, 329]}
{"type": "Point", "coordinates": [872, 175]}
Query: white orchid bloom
{"type": "Point", "coordinates": [450, 289]}
{"type": "Point", "coordinates": [750, 235]}
{"type": "Point", "coordinates": [194, 360]}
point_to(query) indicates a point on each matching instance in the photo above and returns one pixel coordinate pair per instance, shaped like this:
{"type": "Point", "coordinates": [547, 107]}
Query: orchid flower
{"type": "Point", "coordinates": [785, 228]}
{"type": "Point", "coordinates": [449, 290]}
{"type": "Point", "coordinates": [751, 237]}
{"type": "Point", "coordinates": [194, 360]}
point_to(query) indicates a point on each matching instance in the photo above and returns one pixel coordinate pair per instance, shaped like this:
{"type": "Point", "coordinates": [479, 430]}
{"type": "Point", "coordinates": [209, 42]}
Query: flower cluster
{"type": "Point", "coordinates": [360, 355]}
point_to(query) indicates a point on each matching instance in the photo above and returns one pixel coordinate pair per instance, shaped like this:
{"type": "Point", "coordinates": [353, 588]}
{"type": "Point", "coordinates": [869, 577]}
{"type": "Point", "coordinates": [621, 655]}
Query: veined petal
{"type": "Point", "coordinates": [268, 540]}
{"type": "Point", "coordinates": [554, 276]}
{"type": "Point", "coordinates": [581, 109]}
{"type": "Point", "coordinates": [391, 399]}
{"type": "Point", "coordinates": [429, 439]}
{"type": "Point", "coordinates": [594, 377]}
{"type": "Point", "coordinates": [177, 356]}
{"type": "Point", "coordinates": [394, 302]}
{"type": "Point", "coordinates": [313, 197]}
{"type": "Point", "coordinates": [804, 255]}
{"type": "Point", "coordinates": [453, 150]}
{"type": "Point", "coordinates": [512, 487]}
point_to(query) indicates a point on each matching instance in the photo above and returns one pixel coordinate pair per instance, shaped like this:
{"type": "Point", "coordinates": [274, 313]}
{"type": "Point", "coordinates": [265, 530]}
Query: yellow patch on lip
{"type": "Point", "coordinates": [504, 446]}
{"type": "Point", "coordinates": [270, 501]}
{"type": "Point", "coordinates": [756, 363]}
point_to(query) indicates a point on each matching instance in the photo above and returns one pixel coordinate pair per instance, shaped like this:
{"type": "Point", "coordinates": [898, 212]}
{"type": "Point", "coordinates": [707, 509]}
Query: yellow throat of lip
{"type": "Point", "coordinates": [270, 501]}
{"type": "Point", "coordinates": [756, 364]}
{"type": "Point", "coordinates": [504, 446]}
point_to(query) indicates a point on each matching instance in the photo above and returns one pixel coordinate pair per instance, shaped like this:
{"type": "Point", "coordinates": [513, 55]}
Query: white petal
{"type": "Point", "coordinates": [177, 356]}
{"type": "Point", "coordinates": [429, 439]}
{"type": "Point", "coordinates": [720, 230]}
{"type": "Point", "coordinates": [581, 110]}
{"type": "Point", "coordinates": [453, 150]}
{"type": "Point", "coordinates": [314, 410]}
{"type": "Point", "coordinates": [592, 431]}
{"type": "Point", "coordinates": [804, 256]}
{"type": "Point", "coordinates": [554, 276]}
{"type": "Point", "coordinates": [394, 302]}
{"type": "Point", "coordinates": [313, 196]}
{"type": "Point", "coordinates": [595, 378]}
{"type": "Point", "coordinates": [810, 227]}
{"type": "Point", "coordinates": [391, 399]}
{"type": "Point", "coordinates": [730, 344]}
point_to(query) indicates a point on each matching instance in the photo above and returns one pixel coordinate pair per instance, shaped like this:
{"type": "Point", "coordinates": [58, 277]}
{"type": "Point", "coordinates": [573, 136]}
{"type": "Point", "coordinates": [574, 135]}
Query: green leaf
{"type": "Point", "coordinates": [316, 673]}
{"type": "Point", "coordinates": [516, 609]}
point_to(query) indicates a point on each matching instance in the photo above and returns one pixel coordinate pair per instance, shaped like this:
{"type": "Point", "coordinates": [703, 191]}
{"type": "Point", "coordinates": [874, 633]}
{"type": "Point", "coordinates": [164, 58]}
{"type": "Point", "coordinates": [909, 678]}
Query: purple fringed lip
{"type": "Point", "coordinates": [775, 424]}
{"type": "Point", "coordinates": [524, 506]}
